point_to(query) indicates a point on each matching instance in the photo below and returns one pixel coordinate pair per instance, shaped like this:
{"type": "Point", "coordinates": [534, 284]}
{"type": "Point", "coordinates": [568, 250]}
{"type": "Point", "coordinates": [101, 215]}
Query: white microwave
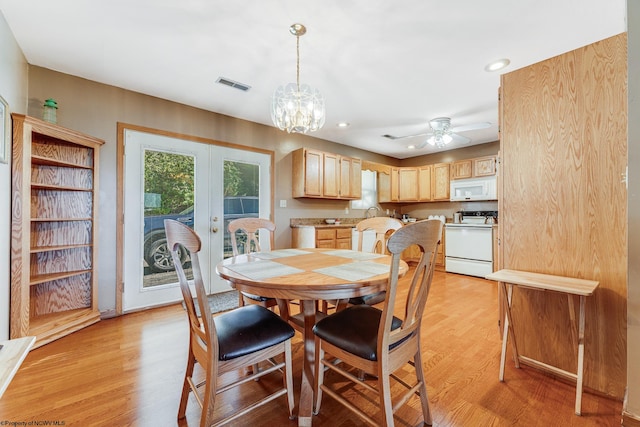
{"type": "Point", "coordinates": [474, 189]}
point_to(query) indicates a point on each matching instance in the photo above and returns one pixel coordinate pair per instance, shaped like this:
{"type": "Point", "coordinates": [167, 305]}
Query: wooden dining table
{"type": "Point", "coordinates": [308, 275]}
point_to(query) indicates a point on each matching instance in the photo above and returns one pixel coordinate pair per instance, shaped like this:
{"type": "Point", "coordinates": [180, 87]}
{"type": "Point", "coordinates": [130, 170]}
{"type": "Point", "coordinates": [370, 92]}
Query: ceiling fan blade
{"type": "Point", "coordinates": [473, 126]}
{"type": "Point", "coordinates": [460, 139]}
{"type": "Point", "coordinates": [393, 137]}
{"type": "Point", "coordinates": [421, 145]}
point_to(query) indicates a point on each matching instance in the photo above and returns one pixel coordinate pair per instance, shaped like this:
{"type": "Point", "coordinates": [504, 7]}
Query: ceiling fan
{"type": "Point", "coordinates": [441, 133]}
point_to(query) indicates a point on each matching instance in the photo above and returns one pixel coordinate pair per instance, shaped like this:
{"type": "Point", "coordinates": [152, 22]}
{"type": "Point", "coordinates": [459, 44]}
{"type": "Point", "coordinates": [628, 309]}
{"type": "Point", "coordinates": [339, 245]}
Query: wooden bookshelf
{"type": "Point", "coordinates": [53, 230]}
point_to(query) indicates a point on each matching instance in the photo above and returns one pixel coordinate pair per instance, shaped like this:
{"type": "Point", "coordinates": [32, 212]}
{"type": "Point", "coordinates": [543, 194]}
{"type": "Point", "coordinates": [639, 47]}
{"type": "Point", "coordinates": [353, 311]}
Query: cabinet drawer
{"type": "Point", "coordinates": [326, 244]}
{"type": "Point", "coordinates": [343, 233]}
{"type": "Point", "coordinates": [343, 243]}
{"type": "Point", "coordinates": [325, 233]}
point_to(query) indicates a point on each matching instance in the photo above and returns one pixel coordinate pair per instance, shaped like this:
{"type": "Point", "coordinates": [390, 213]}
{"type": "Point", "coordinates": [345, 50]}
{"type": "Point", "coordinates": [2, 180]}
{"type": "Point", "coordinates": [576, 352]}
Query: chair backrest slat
{"type": "Point", "coordinates": [203, 327]}
{"type": "Point", "coordinates": [381, 226]}
{"type": "Point", "coordinates": [250, 226]}
{"type": "Point", "coordinates": [426, 235]}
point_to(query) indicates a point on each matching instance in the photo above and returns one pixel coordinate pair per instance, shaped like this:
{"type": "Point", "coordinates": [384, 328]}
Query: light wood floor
{"type": "Point", "coordinates": [128, 371]}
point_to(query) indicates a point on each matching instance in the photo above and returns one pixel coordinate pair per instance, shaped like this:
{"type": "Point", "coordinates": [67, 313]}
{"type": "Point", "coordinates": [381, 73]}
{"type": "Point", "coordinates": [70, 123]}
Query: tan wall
{"type": "Point", "coordinates": [488, 149]}
{"type": "Point", "coordinates": [563, 210]}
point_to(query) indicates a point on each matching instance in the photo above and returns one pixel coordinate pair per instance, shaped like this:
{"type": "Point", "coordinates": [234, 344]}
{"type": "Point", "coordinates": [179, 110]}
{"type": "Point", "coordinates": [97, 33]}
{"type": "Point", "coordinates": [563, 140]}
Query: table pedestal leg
{"type": "Point", "coordinates": [305, 408]}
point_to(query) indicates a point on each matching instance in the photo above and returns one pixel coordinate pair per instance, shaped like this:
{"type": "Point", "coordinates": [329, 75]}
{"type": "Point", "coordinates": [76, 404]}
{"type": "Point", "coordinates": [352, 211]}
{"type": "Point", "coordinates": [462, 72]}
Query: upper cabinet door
{"type": "Point", "coordinates": [314, 173]}
{"type": "Point", "coordinates": [350, 178]}
{"type": "Point", "coordinates": [384, 187]}
{"type": "Point", "coordinates": [484, 166]}
{"type": "Point", "coordinates": [331, 180]}
{"type": "Point", "coordinates": [440, 182]}
{"type": "Point", "coordinates": [408, 184]}
{"type": "Point", "coordinates": [424, 183]}
{"type": "Point", "coordinates": [461, 169]}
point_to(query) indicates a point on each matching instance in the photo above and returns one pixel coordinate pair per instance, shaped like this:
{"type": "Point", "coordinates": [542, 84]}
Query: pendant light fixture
{"type": "Point", "coordinates": [297, 108]}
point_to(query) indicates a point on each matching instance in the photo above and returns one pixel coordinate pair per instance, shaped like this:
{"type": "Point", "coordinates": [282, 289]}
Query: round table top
{"type": "Point", "coordinates": [309, 273]}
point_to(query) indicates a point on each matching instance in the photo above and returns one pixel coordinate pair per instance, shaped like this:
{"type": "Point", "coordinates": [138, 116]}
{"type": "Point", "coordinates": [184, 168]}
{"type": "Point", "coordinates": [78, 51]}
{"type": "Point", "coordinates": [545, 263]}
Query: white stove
{"type": "Point", "coordinates": [469, 247]}
{"type": "Point", "coordinates": [469, 224]}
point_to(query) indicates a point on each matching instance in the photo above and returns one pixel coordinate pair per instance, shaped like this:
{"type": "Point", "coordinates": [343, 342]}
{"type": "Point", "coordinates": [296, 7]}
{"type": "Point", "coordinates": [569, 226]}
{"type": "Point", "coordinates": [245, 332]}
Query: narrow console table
{"type": "Point", "coordinates": [12, 354]}
{"type": "Point", "coordinates": [544, 282]}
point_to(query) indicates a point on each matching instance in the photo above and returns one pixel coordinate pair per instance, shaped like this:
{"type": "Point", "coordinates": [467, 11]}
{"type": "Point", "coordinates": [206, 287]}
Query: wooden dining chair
{"type": "Point", "coordinates": [383, 227]}
{"type": "Point", "coordinates": [250, 227]}
{"type": "Point", "coordinates": [227, 342]}
{"type": "Point", "coordinates": [362, 337]}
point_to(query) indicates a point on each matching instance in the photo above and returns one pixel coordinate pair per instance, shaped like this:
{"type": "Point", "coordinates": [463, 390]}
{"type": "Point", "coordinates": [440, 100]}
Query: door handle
{"type": "Point", "coordinates": [214, 229]}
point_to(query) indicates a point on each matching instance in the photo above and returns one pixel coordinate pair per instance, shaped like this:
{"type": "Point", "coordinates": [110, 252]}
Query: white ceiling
{"type": "Point", "coordinates": [386, 67]}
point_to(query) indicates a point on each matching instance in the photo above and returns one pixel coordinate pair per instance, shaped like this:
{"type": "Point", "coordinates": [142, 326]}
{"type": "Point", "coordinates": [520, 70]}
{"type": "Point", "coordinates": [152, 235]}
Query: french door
{"type": "Point", "coordinates": [203, 186]}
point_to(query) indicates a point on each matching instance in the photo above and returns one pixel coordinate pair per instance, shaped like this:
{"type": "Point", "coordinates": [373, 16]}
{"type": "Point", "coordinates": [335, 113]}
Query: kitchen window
{"type": "Point", "coordinates": [369, 191]}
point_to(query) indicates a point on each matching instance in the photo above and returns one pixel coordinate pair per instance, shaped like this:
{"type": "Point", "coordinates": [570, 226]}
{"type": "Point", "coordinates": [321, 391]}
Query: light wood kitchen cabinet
{"type": "Point", "coordinates": [308, 173]}
{"type": "Point", "coordinates": [429, 183]}
{"type": "Point", "coordinates": [440, 182]}
{"type": "Point", "coordinates": [318, 174]}
{"type": "Point", "coordinates": [333, 238]}
{"type": "Point", "coordinates": [395, 196]}
{"type": "Point", "coordinates": [384, 187]}
{"type": "Point", "coordinates": [331, 176]}
{"type": "Point", "coordinates": [424, 183]}
{"type": "Point", "coordinates": [350, 178]}
{"type": "Point", "coordinates": [484, 166]}
{"type": "Point", "coordinates": [473, 168]}
{"type": "Point", "coordinates": [53, 230]}
{"type": "Point", "coordinates": [462, 169]}
{"type": "Point", "coordinates": [408, 184]}
{"type": "Point", "coordinates": [404, 184]}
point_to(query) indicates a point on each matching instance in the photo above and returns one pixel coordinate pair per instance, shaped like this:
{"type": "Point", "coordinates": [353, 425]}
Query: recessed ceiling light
{"type": "Point", "coordinates": [411, 147]}
{"type": "Point", "coordinates": [497, 65]}
{"type": "Point", "coordinates": [343, 125]}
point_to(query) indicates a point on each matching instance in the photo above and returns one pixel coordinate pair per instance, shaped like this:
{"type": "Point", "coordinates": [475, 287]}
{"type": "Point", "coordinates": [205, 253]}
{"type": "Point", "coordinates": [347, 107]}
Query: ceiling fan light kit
{"type": "Point", "coordinates": [297, 108]}
{"type": "Point", "coordinates": [441, 128]}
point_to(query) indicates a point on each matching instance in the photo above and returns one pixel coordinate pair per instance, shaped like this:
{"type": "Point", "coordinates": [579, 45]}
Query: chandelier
{"type": "Point", "coordinates": [297, 108]}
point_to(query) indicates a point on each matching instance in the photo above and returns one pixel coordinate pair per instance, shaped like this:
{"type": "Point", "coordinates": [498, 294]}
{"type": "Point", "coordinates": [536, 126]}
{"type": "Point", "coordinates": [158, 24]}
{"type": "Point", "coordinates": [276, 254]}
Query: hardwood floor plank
{"type": "Point", "coordinates": [129, 371]}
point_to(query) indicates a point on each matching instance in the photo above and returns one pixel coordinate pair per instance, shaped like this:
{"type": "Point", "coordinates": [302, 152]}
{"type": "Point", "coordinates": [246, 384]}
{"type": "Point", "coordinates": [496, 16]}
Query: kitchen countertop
{"type": "Point", "coordinates": [320, 223]}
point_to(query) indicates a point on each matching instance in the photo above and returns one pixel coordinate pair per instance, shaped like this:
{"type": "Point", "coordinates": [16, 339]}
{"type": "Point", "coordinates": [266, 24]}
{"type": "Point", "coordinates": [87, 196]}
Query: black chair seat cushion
{"type": "Point", "coordinates": [371, 299]}
{"type": "Point", "coordinates": [354, 329]}
{"type": "Point", "coordinates": [256, 297]}
{"type": "Point", "coordinates": [249, 329]}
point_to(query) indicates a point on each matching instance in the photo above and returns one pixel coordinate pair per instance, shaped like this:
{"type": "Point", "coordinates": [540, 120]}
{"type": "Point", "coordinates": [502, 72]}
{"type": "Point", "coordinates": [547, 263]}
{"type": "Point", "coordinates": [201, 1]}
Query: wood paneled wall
{"type": "Point", "coordinates": [563, 205]}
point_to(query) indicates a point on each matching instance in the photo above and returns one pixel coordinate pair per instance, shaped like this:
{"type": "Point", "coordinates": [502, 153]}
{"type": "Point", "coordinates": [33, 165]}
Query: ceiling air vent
{"type": "Point", "coordinates": [237, 85]}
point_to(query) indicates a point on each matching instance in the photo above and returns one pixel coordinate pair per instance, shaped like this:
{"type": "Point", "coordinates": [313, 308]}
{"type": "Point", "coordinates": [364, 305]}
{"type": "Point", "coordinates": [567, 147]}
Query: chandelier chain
{"type": "Point", "coordinates": [298, 62]}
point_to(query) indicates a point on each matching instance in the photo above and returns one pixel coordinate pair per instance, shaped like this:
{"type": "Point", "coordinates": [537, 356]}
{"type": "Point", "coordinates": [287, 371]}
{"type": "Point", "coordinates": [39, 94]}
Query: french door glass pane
{"type": "Point", "coordinates": [169, 192]}
{"type": "Point", "coordinates": [241, 199]}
